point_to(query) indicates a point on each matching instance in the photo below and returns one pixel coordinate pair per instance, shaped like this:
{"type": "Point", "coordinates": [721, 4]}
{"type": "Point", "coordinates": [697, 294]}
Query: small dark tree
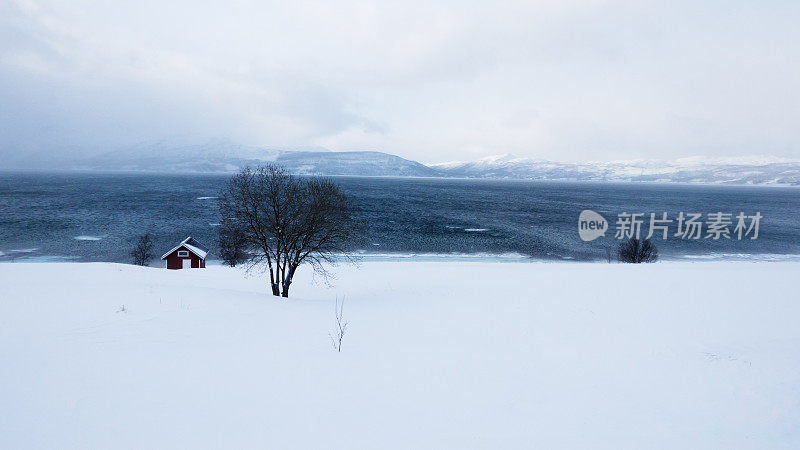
{"type": "Point", "coordinates": [143, 252]}
{"type": "Point", "coordinates": [637, 251]}
{"type": "Point", "coordinates": [232, 243]}
{"type": "Point", "coordinates": [285, 221]}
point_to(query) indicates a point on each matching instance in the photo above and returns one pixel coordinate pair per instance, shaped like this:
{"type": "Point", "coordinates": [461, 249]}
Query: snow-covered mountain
{"type": "Point", "coordinates": [353, 163]}
{"type": "Point", "coordinates": [225, 157]}
{"type": "Point", "coordinates": [738, 170]}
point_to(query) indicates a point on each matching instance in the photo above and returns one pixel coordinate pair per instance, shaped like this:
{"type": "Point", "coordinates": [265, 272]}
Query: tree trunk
{"type": "Point", "coordinates": [287, 281]}
{"type": "Point", "coordinates": [272, 281]}
{"type": "Point", "coordinates": [285, 292]}
{"type": "Point", "coordinates": [275, 290]}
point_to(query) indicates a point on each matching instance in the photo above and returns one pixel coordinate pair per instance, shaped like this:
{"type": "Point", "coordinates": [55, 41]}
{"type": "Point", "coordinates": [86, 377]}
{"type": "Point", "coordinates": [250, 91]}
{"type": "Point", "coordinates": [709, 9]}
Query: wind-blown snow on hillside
{"type": "Point", "coordinates": [741, 170]}
{"type": "Point", "coordinates": [437, 355]}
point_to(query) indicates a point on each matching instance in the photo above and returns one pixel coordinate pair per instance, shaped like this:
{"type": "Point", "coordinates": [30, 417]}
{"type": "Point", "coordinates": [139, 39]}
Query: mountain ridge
{"type": "Point", "coordinates": [227, 157]}
{"type": "Point", "coordinates": [756, 169]}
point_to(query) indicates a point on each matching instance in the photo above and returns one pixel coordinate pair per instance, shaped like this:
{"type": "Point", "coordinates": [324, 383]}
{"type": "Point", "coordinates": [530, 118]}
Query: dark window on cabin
{"type": "Point", "coordinates": [183, 253]}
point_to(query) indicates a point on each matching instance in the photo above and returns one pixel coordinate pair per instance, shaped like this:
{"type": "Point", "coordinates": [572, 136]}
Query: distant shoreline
{"type": "Point", "coordinates": [399, 177]}
{"type": "Point", "coordinates": [445, 258]}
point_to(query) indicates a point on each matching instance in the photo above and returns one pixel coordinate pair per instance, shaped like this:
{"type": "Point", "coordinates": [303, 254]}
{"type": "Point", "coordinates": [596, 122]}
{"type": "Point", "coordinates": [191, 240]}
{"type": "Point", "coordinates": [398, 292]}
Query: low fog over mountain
{"type": "Point", "coordinates": [227, 157]}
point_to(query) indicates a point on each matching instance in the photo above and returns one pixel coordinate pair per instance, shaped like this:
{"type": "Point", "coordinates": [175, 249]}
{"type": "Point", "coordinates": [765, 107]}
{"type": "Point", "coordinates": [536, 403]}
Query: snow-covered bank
{"type": "Point", "coordinates": [437, 355]}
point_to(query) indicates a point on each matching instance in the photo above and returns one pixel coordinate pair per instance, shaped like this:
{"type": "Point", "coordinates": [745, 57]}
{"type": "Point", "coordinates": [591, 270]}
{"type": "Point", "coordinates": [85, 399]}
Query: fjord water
{"type": "Point", "coordinates": [96, 217]}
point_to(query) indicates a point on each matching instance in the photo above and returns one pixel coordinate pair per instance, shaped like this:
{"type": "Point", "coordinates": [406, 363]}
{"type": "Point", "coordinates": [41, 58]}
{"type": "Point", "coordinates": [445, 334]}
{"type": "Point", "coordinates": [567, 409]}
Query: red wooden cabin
{"type": "Point", "coordinates": [189, 254]}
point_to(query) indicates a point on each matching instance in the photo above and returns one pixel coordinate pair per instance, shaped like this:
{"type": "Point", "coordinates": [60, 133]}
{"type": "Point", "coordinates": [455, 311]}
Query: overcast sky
{"type": "Point", "coordinates": [430, 81]}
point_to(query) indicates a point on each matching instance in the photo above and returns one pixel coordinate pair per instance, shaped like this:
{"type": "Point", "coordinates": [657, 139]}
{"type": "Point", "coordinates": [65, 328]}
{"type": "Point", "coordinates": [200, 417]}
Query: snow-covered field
{"type": "Point", "coordinates": [437, 355]}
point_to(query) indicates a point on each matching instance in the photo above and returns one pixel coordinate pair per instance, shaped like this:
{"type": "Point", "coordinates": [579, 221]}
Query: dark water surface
{"type": "Point", "coordinates": [96, 217]}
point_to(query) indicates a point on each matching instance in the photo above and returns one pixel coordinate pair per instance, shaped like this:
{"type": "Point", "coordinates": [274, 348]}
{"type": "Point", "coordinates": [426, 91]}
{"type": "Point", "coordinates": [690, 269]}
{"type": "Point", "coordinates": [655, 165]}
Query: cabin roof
{"type": "Point", "coordinates": [192, 245]}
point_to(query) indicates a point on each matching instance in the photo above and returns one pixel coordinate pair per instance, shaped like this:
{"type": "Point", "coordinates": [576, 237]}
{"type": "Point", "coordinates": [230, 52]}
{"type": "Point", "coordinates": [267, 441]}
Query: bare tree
{"type": "Point", "coordinates": [143, 252]}
{"type": "Point", "coordinates": [285, 221]}
{"type": "Point", "coordinates": [637, 251]}
{"type": "Point", "coordinates": [232, 243]}
{"type": "Point", "coordinates": [341, 326]}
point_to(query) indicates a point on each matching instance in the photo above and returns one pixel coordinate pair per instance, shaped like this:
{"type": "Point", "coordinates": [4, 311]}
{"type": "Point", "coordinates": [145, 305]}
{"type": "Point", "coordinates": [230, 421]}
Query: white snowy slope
{"type": "Point", "coordinates": [437, 355]}
{"type": "Point", "coordinates": [737, 170]}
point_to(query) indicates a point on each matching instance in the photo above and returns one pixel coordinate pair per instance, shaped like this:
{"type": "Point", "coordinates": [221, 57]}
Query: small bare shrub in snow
{"type": "Point", "coordinates": [143, 252]}
{"type": "Point", "coordinates": [637, 251]}
{"type": "Point", "coordinates": [232, 243]}
{"type": "Point", "coordinates": [341, 326]}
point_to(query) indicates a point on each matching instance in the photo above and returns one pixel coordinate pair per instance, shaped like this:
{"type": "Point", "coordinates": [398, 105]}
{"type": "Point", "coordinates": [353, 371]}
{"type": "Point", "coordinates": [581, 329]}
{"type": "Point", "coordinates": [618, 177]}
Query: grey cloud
{"type": "Point", "coordinates": [428, 81]}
